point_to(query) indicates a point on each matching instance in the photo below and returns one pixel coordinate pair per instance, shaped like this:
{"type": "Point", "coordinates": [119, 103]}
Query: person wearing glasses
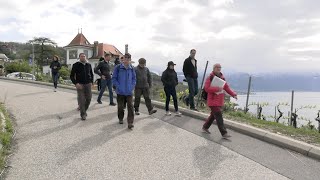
{"type": "Point", "coordinates": [215, 101]}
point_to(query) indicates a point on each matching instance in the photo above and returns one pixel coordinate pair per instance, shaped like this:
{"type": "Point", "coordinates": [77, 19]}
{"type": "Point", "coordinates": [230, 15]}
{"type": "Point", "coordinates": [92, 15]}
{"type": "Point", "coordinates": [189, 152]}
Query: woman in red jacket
{"type": "Point", "coordinates": [215, 101]}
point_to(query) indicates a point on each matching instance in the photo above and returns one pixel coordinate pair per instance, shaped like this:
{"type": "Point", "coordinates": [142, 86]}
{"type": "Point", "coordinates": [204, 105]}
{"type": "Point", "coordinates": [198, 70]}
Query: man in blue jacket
{"type": "Point", "coordinates": [124, 79]}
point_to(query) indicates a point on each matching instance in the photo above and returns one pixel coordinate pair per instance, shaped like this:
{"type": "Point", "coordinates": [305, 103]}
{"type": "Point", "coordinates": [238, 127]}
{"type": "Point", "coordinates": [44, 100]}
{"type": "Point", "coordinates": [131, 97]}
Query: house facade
{"type": "Point", "coordinates": [93, 52]}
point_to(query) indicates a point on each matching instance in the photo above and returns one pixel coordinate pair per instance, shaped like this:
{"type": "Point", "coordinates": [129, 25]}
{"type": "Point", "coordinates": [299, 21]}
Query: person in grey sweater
{"type": "Point", "coordinates": [143, 86]}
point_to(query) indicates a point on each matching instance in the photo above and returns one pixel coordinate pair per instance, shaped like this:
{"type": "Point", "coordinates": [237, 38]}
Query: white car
{"type": "Point", "coordinates": [21, 75]}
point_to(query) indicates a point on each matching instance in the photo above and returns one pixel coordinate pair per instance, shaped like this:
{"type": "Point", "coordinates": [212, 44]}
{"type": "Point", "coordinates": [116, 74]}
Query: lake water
{"type": "Point", "coordinates": [274, 98]}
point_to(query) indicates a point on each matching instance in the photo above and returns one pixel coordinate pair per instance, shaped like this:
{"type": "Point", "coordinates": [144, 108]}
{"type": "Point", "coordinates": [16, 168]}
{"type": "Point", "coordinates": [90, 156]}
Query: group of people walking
{"type": "Point", "coordinates": [127, 81]}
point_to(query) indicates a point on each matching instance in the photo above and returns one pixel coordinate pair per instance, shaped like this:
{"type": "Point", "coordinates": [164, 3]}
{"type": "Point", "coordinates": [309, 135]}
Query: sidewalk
{"type": "Point", "coordinates": [52, 143]}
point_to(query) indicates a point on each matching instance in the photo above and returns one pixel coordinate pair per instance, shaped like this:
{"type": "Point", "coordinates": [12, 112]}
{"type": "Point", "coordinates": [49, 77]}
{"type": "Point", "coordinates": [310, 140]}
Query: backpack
{"type": "Point", "coordinates": [204, 94]}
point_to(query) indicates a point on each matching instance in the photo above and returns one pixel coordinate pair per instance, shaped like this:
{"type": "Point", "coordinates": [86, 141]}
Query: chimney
{"type": "Point", "coordinates": [95, 48]}
{"type": "Point", "coordinates": [126, 49]}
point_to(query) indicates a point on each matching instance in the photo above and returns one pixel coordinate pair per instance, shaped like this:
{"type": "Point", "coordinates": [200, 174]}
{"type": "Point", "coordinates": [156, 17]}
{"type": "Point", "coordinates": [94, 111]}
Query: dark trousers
{"type": "Point", "coordinates": [193, 90]}
{"type": "Point", "coordinates": [171, 91]}
{"type": "Point", "coordinates": [146, 95]}
{"type": "Point", "coordinates": [55, 78]}
{"type": "Point", "coordinates": [216, 114]}
{"type": "Point", "coordinates": [84, 98]}
{"type": "Point", "coordinates": [122, 100]}
{"type": "Point", "coordinates": [106, 83]}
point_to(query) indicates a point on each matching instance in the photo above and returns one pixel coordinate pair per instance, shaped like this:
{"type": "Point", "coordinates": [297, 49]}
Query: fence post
{"type": "Point", "coordinates": [291, 111]}
{"type": "Point", "coordinates": [200, 91]}
{"type": "Point", "coordinates": [247, 101]}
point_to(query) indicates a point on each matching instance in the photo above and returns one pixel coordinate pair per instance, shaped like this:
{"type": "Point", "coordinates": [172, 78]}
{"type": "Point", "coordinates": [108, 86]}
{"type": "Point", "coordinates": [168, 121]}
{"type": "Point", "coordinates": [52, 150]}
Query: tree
{"type": "Point", "coordinates": [44, 48]}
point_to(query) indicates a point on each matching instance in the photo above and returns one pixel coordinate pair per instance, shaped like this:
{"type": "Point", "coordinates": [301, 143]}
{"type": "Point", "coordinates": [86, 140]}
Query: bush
{"type": "Point", "coordinates": [18, 67]}
{"type": "Point", "coordinates": [65, 72]}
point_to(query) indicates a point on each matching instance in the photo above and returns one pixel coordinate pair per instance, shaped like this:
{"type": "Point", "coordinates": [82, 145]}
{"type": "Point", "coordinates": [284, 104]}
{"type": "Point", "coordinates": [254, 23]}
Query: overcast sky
{"type": "Point", "coordinates": [243, 35]}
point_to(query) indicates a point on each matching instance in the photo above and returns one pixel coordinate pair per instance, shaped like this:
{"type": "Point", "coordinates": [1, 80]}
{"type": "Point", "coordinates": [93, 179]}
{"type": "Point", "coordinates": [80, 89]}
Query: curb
{"type": "Point", "coordinates": [273, 138]}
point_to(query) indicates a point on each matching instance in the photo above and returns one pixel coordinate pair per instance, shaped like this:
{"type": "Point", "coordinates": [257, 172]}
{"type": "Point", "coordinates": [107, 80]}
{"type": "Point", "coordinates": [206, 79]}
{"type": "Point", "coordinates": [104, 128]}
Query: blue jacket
{"type": "Point", "coordinates": [124, 79]}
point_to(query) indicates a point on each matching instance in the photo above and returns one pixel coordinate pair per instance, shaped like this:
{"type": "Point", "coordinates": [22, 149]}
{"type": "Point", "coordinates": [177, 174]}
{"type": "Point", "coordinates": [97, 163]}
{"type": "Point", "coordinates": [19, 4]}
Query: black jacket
{"type": "Point", "coordinates": [53, 64]}
{"type": "Point", "coordinates": [103, 68]}
{"type": "Point", "coordinates": [81, 73]}
{"type": "Point", "coordinates": [188, 69]}
{"type": "Point", "coordinates": [169, 78]}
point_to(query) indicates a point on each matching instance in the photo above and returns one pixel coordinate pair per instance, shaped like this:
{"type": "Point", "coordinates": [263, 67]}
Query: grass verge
{"type": "Point", "coordinates": [6, 133]}
{"type": "Point", "coordinates": [311, 136]}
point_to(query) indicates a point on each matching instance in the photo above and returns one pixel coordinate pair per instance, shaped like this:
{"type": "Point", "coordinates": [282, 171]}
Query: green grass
{"type": "Point", "coordinates": [5, 137]}
{"type": "Point", "coordinates": [303, 134]}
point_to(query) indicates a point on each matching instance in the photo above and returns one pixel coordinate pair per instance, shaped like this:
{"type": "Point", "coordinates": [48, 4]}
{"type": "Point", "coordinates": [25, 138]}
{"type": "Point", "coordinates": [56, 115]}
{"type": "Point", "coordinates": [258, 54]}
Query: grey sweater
{"type": "Point", "coordinates": [143, 76]}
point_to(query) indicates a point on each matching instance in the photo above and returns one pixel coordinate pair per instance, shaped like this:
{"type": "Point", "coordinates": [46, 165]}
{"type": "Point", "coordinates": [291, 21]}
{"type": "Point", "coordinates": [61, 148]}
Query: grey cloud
{"type": "Point", "coordinates": [99, 8]}
{"type": "Point", "coordinates": [143, 12]}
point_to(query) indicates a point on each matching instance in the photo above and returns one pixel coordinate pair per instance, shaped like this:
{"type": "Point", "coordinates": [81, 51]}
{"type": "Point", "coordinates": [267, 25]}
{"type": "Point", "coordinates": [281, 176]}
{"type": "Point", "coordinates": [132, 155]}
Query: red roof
{"type": "Point", "coordinates": [107, 48]}
{"type": "Point", "coordinates": [80, 40]}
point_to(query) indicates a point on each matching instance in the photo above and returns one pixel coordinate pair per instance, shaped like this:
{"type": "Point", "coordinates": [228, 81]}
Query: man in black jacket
{"type": "Point", "coordinates": [82, 76]}
{"type": "Point", "coordinates": [104, 71]}
{"type": "Point", "coordinates": [191, 74]}
{"type": "Point", "coordinates": [55, 67]}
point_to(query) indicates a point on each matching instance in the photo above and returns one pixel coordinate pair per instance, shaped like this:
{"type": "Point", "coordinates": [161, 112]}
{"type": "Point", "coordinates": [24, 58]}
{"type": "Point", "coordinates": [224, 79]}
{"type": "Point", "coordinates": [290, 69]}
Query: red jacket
{"type": "Point", "coordinates": [213, 98]}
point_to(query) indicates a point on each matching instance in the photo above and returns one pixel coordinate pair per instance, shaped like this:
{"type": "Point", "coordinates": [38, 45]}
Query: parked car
{"type": "Point", "coordinates": [21, 75]}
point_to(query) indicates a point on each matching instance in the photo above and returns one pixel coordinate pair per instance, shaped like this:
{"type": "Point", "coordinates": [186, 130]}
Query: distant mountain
{"type": "Point", "coordinates": [270, 82]}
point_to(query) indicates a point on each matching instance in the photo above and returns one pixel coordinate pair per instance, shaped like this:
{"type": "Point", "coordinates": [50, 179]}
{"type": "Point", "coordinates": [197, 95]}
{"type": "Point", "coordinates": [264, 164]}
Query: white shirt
{"type": "Point", "coordinates": [193, 62]}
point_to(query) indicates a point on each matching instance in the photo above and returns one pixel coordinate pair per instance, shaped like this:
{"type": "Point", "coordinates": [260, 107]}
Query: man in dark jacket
{"type": "Point", "coordinates": [82, 76]}
{"type": "Point", "coordinates": [191, 74]}
{"type": "Point", "coordinates": [124, 79]}
{"type": "Point", "coordinates": [169, 79]}
{"type": "Point", "coordinates": [143, 86]}
{"type": "Point", "coordinates": [55, 67]}
{"type": "Point", "coordinates": [103, 70]}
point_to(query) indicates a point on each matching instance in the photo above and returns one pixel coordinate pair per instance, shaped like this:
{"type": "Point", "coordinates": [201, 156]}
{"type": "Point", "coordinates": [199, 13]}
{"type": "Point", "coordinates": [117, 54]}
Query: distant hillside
{"type": "Point", "coordinates": [270, 82]}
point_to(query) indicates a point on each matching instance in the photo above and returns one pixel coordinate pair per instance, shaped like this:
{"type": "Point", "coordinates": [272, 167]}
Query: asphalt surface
{"type": "Point", "coordinates": [53, 143]}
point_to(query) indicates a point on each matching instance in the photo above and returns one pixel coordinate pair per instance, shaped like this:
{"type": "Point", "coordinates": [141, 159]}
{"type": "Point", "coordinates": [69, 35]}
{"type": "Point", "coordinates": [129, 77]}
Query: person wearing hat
{"type": "Point", "coordinates": [104, 71]}
{"type": "Point", "coordinates": [143, 86]}
{"type": "Point", "coordinates": [124, 79]}
{"type": "Point", "coordinates": [169, 79]}
{"type": "Point", "coordinates": [55, 67]}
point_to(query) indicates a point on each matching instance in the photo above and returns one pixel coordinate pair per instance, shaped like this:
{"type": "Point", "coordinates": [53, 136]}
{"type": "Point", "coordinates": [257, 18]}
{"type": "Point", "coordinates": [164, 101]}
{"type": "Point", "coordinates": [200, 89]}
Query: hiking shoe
{"type": "Point", "coordinates": [206, 130]}
{"type": "Point", "coordinates": [55, 90]}
{"type": "Point", "coordinates": [112, 104]}
{"type": "Point", "coordinates": [130, 126]}
{"type": "Point", "coordinates": [120, 121]}
{"type": "Point", "coordinates": [152, 111]}
{"type": "Point", "coordinates": [168, 113]}
{"type": "Point", "coordinates": [83, 117]}
{"type": "Point", "coordinates": [137, 113]}
{"type": "Point", "coordinates": [194, 109]}
{"type": "Point", "coordinates": [177, 113]}
{"type": "Point", "coordinates": [99, 102]}
{"type": "Point", "coordinates": [226, 135]}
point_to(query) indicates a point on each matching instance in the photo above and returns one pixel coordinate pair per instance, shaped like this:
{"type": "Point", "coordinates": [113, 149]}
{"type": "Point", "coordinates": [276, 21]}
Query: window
{"type": "Point", "coordinates": [86, 53]}
{"type": "Point", "coordinates": [73, 54]}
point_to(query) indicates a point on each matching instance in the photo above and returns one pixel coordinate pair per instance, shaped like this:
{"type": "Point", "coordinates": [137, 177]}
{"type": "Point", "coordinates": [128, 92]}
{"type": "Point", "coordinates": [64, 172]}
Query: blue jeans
{"type": "Point", "coordinates": [55, 78]}
{"type": "Point", "coordinates": [106, 83]}
{"type": "Point", "coordinates": [193, 90]}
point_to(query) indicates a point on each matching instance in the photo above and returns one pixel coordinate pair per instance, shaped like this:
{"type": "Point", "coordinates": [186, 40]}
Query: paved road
{"type": "Point", "coordinates": [53, 143]}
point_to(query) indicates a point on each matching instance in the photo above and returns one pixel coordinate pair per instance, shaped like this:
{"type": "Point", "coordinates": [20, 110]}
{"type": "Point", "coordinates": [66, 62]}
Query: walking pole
{"type": "Point", "coordinates": [199, 94]}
